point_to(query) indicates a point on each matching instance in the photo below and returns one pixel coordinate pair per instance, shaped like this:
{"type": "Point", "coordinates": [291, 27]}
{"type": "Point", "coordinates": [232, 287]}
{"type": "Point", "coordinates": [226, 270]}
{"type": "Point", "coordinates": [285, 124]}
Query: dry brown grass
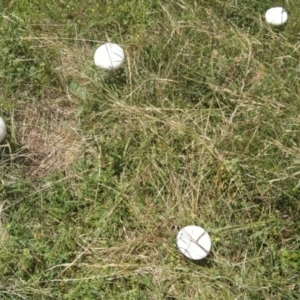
{"type": "Point", "coordinates": [3, 233]}
{"type": "Point", "coordinates": [48, 133]}
{"type": "Point", "coordinates": [47, 129]}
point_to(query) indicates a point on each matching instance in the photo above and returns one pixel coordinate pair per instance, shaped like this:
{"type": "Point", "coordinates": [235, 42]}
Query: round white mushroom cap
{"type": "Point", "coordinates": [2, 130]}
{"type": "Point", "coordinates": [276, 16]}
{"type": "Point", "coordinates": [109, 56]}
{"type": "Point", "coordinates": [194, 242]}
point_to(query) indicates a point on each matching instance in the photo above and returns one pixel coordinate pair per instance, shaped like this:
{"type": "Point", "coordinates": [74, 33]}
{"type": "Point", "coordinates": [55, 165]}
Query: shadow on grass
{"type": "Point", "coordinates": [117, 77]}
{"type": "Point", "coordinates": [205, 263]}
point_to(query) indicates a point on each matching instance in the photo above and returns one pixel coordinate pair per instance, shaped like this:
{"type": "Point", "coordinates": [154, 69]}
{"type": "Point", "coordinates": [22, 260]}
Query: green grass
{"type": "Point", "coordinates": [100, 171]}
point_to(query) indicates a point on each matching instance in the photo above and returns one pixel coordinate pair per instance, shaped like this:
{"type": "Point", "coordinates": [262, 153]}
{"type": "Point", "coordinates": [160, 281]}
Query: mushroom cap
{"type": "Point", "coordinates": [109, 56]}
{"type": "Point", "coordinates": [2, 130]}
{"type": "Point", "coordinates": [276, 16]}
{"type": "Point", "coordinates": [194, 242]}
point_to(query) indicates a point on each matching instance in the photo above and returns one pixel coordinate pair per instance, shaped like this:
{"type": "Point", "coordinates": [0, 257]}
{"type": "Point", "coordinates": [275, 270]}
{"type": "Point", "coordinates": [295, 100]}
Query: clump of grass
{"type": "Point", "coordinates": [100, 171]}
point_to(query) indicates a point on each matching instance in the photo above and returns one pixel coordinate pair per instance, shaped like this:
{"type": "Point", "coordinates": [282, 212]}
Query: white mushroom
{"type": "Point", "coordinates": [276, 16]}
{"type": "Point", "coordinates": [2, 130]}
{"type": "Point", "coordinates": [194, 242]}
{"type": "Point", "coordinates": [109, 56]}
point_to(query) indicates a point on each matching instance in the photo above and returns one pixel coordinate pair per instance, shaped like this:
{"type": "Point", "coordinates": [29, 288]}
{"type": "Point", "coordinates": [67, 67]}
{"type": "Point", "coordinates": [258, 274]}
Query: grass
{"type": "Point", "coordinates": [100, 171]}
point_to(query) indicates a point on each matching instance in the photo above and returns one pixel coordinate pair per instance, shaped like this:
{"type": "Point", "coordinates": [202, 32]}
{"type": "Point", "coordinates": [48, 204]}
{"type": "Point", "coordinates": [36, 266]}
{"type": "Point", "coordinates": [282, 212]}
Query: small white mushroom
{"type": "Point", "coordinates": [109, 56]}
{"type": "Point", "coordinates": [2, 130]}
{"type": "Point", "coordinates": [194, 242]}
{"type": "Point", "coordinates": [276, 16]}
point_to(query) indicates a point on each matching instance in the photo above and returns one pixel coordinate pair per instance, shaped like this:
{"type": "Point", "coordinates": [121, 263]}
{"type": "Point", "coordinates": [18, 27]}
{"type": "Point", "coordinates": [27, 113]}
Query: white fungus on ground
{"type": "Point", "coordinates": [109, 56]}
{"type": "Point", "coordinates": [276, 16]}
{"type": "Point", "coordinates": [2, 130]}
{"type": "Point", "coordinates": [194, 242]}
